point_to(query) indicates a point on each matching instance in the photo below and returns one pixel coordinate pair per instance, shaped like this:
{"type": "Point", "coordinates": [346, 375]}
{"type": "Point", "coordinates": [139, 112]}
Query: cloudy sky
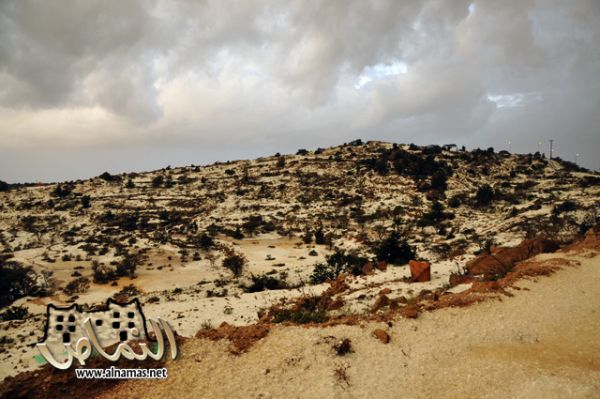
{"type": "Point", "coordinates": [88, 86]}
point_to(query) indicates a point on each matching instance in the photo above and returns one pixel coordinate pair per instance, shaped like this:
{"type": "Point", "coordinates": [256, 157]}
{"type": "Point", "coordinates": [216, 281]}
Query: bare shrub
{"type": "Point", "coordinates": [77, 286]}
{"type": "Point", "coordinates": [103, 273]}
{"type": "Point", "coordinates": [234, 261]}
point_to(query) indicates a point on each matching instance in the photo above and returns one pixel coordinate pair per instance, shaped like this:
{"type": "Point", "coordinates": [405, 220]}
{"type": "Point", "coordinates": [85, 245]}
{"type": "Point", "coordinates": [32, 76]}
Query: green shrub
{"type": "Point", "coordinates": [439, 180]}
{"type": "Point", "coordinates": [320, 236]}
{"type": "Point", "coordinates": [107, 176]}
{"type": "Point", "coordinates": [234, 261]}
{"type": "Point", "coordinates": [307, 237]}
{"type": "Point", "coordinates": [566, 206]}
{"type": "Point", "coordinates": [336, 263]}
{"type": "Point", "coordinates": [14, 313]}
{"type": "Point", "coordinates": [307, 309]}
{"type": "Point", "coordinates": [61, 191]}
{"type": "Point", "coordinates": [103, 273]}
{"type": "Point", "coordinates": [127, 266]}
{"type": "Point", "coordinates": [157, 181]}
{"type": "Point", "coordinates": [434, 216]}
{"type": "Point", "coordinates": [454, 202]}
{"type": "Point", "coordinates": [300, 316]}
{"type": "Point", "coordinates": [252, 224]}
{"type": "Point", "coordinates": [323, 272]}
{"type": "Point", "coordinates": [85, 201]}
{"type": "Point", "coordinates": [395, 249]}
{"type": "Point", "coordinates": [205, 241]}
{"type": "Point", "coordinates": [128, 292]}
{"type": "Point", "coordinates": [237, 234]}
{"type": "Point", "coordinates": [264, 282]}
{"type": "Point", "coordinates": [17, 281]}
{"type": "Point", "coordinates": [77, 286]}
{"type": "Point", "coordinates": [485, 195]}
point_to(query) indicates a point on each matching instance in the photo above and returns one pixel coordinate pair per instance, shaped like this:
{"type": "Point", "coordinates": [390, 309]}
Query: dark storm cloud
{"type": "Point", "coordinates": [277, 75]}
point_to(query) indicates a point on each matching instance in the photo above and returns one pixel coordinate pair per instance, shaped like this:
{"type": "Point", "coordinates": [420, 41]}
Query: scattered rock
{"type": "Point", "coordinates": [380, 302]}
{"type": "Point", "coordinates": [410, 312]}
{"type": "Point", "coordinates": [368, 268]}
{"type": "Point", "coordinates": [420, 271]}
{"type": "Point", "coordinates": [381, 266]}
{"type": "Point", "coordinates": [381, 335]}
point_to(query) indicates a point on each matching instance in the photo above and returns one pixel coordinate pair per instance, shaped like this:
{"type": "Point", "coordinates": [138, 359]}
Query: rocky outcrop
{"type": "Point", "coordinates": [503, 259]}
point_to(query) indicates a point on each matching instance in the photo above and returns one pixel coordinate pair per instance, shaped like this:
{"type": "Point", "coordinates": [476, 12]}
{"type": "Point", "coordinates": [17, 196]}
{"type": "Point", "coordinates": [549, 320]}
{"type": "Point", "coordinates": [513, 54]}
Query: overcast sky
{"type": "Point", "coordinates": [88, 86]}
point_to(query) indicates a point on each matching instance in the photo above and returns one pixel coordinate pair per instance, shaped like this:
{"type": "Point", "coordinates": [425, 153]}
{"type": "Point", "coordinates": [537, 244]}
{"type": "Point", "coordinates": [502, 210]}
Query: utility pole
{"type": "Point", "coordinates": [551, 141]}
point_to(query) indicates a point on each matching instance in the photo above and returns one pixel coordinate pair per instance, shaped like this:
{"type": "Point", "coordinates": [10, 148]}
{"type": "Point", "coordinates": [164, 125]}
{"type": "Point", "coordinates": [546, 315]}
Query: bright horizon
{"type": "Point", "coordinates": [187, 155]}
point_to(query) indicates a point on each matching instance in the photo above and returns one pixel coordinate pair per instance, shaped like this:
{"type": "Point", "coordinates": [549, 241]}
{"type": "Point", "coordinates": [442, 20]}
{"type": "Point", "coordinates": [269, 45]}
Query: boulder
{"type": "Point", "coordinates": [420, 271]}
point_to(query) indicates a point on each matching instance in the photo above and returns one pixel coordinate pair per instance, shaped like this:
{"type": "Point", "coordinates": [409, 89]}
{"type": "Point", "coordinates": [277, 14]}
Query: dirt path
{"type": "Point", "coordinates": [543, 342]}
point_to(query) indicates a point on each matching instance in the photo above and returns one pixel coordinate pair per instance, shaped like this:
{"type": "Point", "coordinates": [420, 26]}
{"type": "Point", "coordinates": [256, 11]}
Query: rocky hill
{"type": "Point", "coordinates": [353, 192]}
{"type": "Point", "coordinates": [224, 242]}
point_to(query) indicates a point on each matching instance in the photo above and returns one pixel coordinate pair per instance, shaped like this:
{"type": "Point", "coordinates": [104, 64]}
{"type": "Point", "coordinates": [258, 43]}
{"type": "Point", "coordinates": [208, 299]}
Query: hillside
{"type": "Point", "coordinates": [202, 245]}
